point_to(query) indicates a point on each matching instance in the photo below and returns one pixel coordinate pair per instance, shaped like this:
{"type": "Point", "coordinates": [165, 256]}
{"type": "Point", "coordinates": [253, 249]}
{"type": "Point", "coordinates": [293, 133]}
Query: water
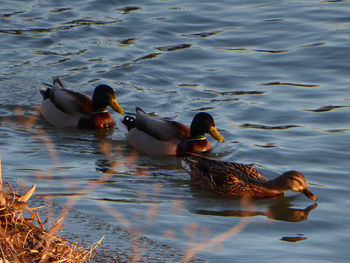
{"type": "Point", "coordinates": [274, 74]}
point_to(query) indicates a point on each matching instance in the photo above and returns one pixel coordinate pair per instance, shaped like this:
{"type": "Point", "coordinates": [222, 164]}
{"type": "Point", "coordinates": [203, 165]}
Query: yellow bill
{"type": "Point", "coordinates": [215, 134]}
{"type": "Point", "coordinates": [116, 107]}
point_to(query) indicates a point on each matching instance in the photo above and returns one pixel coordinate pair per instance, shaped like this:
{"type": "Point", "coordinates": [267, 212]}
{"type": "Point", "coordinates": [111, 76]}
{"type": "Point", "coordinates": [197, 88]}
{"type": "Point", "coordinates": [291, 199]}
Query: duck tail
{"type": "Point", "coordinates": [190, 165]}
{"type": "Point", "coordinates": [56, 83]}
{"type": "Point", "coordinates": [185, 163]}
{"type": "Point", "coordinates": [139, 109]}
{"type": "Point", "coordinates": [45, 92]}
{"type": "Point", "coordinates": [201, 157]}
{"type": "Point", "coordinates": [129, 122]}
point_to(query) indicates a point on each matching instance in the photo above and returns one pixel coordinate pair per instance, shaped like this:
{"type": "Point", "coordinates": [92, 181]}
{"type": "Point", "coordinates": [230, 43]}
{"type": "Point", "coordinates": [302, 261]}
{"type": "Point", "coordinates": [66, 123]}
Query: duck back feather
{"type": "Point", "coordinates": [162, 130]}
{"type": "Point", "coordinates": [71, 102]}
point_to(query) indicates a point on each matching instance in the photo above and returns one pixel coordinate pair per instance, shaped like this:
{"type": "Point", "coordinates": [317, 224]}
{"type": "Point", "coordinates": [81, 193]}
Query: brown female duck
{"type": "Point", "coordinates": [235, 179]}
{"type": "Point", "coordinates": [154, 136]}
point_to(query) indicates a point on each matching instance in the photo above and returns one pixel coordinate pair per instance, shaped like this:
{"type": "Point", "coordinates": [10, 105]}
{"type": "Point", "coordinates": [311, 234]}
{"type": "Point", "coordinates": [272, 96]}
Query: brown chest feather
{"type": "Point", "coordinates": [98, 120]}
{"type": "Point", "coordinates": [194, 146]}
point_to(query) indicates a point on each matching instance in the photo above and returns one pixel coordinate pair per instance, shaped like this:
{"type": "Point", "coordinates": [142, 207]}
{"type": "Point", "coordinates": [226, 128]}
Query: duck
{"type": "Point", "coordinates": [230, 179]}
{"type": "Point", "coordinates": [155, 136]}
{"type": "Point", "coordinates": [64, 108]}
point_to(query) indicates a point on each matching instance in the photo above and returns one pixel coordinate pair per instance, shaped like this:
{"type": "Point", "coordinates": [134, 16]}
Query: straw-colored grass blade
{"type": "Point", "coordinates": [27, 195]}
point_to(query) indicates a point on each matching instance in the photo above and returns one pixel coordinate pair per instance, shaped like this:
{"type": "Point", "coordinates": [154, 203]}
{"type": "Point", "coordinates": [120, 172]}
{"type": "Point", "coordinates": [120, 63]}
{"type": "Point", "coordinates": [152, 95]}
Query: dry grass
{"type": "Point", "coordinates": [25, 239]}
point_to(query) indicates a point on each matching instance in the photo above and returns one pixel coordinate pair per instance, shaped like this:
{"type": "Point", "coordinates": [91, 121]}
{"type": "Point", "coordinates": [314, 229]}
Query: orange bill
{"type": "Point", "coordinates": [308, 194]}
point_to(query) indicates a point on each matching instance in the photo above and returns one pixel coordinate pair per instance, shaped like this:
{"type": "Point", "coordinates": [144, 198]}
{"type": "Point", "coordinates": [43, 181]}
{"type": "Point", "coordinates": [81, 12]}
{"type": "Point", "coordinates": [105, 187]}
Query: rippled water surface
{"type": "Point", "coordinates": [274, 74]}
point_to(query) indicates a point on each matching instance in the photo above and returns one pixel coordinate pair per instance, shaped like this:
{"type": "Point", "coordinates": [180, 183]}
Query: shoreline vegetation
{"type": "Point", "coordinates": [24, 237]}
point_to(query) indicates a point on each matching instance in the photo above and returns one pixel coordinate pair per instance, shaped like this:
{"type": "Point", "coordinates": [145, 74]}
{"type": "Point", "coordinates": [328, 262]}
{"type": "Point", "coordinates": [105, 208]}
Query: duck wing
{"type": "Point", "coordinates": [162, 130]}
{"type": "Point", "coordinates": [219, 178]}
{"type": "Point", "coordinates": [247, 169]}
{"type": "Point", "coordinates": [71, 102]}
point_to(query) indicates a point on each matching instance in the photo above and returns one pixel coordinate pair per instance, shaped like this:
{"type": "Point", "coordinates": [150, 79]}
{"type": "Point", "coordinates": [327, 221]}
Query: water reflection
{"type": "Point", "coordinates": [122, 165]}
{"type": "Point", "coordinates": [279, 211]}
{"type": "Point", "coordinates": [128, 41]}
{"type": "Point", "coordinates": [174, 47]}
{"type": "Point", "coordinates": [294, 239]}
{"type": "Point", "coordinates": [123, 160]}
{"type": "Point", "coordinates": [326, 108]}
{"type": "Point", "coordinates": [115, 160]}
{"type": "Point", "coordinates": [119, 160]}
{"type": "Point", "coordinates": [128, 9]}
{"type": "Point", "coordinates": [266, 127]}
{"type": "Point", "coordinates": [277, 83]}
{"type": "Point", "coordinates": [102, 134]}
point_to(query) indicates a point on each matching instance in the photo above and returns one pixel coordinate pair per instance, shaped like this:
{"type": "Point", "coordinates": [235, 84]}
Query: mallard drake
{"type": "Point", "coordinates": [235, 179]}
{"type": "Point", "coordinates": [65, 108]}
{"type": "Point", "coordinates": [155, 136]}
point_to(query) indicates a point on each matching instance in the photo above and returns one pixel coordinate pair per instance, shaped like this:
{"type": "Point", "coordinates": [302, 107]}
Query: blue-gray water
{"type": "Point", "coordinates": [274, 74]}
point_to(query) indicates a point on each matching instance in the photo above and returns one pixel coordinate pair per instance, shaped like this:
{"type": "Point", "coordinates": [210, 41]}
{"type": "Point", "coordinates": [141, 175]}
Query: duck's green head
{"type": "Point", "coordinates": [104, 96]}
{"type": "Point", "coordinates": [204, 123]}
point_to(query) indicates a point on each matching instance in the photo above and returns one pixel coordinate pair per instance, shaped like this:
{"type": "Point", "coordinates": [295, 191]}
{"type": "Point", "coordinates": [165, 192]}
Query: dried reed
{"type": "Point", "coordinates": [27, 240]}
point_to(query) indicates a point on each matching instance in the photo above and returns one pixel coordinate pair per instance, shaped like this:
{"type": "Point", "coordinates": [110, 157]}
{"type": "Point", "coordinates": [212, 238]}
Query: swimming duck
{"type": "Point", "coordinates": [65, 108]}
{"type": "Point", "coordinates": [235, 179]}
{"type": "Point", "coordinates": [155, 136]}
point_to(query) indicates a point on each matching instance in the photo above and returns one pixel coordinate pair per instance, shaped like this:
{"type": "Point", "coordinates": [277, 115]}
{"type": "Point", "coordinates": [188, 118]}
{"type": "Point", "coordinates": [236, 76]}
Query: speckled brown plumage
{"type": "Point", "coordinates": [235, 179]}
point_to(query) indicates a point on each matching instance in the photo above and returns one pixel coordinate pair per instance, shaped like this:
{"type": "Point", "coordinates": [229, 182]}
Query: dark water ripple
{"type": "Point", "coordinates": [326, 108]}
{"type": "Point", "coordinates": [264, 127]}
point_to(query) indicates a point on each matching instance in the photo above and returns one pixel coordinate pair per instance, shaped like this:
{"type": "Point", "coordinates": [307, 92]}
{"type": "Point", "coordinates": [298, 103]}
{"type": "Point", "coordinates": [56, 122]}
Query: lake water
{"type": "Point", "coordinates": [275, 76]}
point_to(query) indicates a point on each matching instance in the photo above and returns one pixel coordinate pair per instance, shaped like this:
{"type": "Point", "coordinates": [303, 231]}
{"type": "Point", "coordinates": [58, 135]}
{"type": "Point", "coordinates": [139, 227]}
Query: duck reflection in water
{"type": "Point", "coordinates": [279, 211]}
{"type": "Point", "coordinates": [116, 160]}
{"type": "Point", "coordinates": [103, 134]}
